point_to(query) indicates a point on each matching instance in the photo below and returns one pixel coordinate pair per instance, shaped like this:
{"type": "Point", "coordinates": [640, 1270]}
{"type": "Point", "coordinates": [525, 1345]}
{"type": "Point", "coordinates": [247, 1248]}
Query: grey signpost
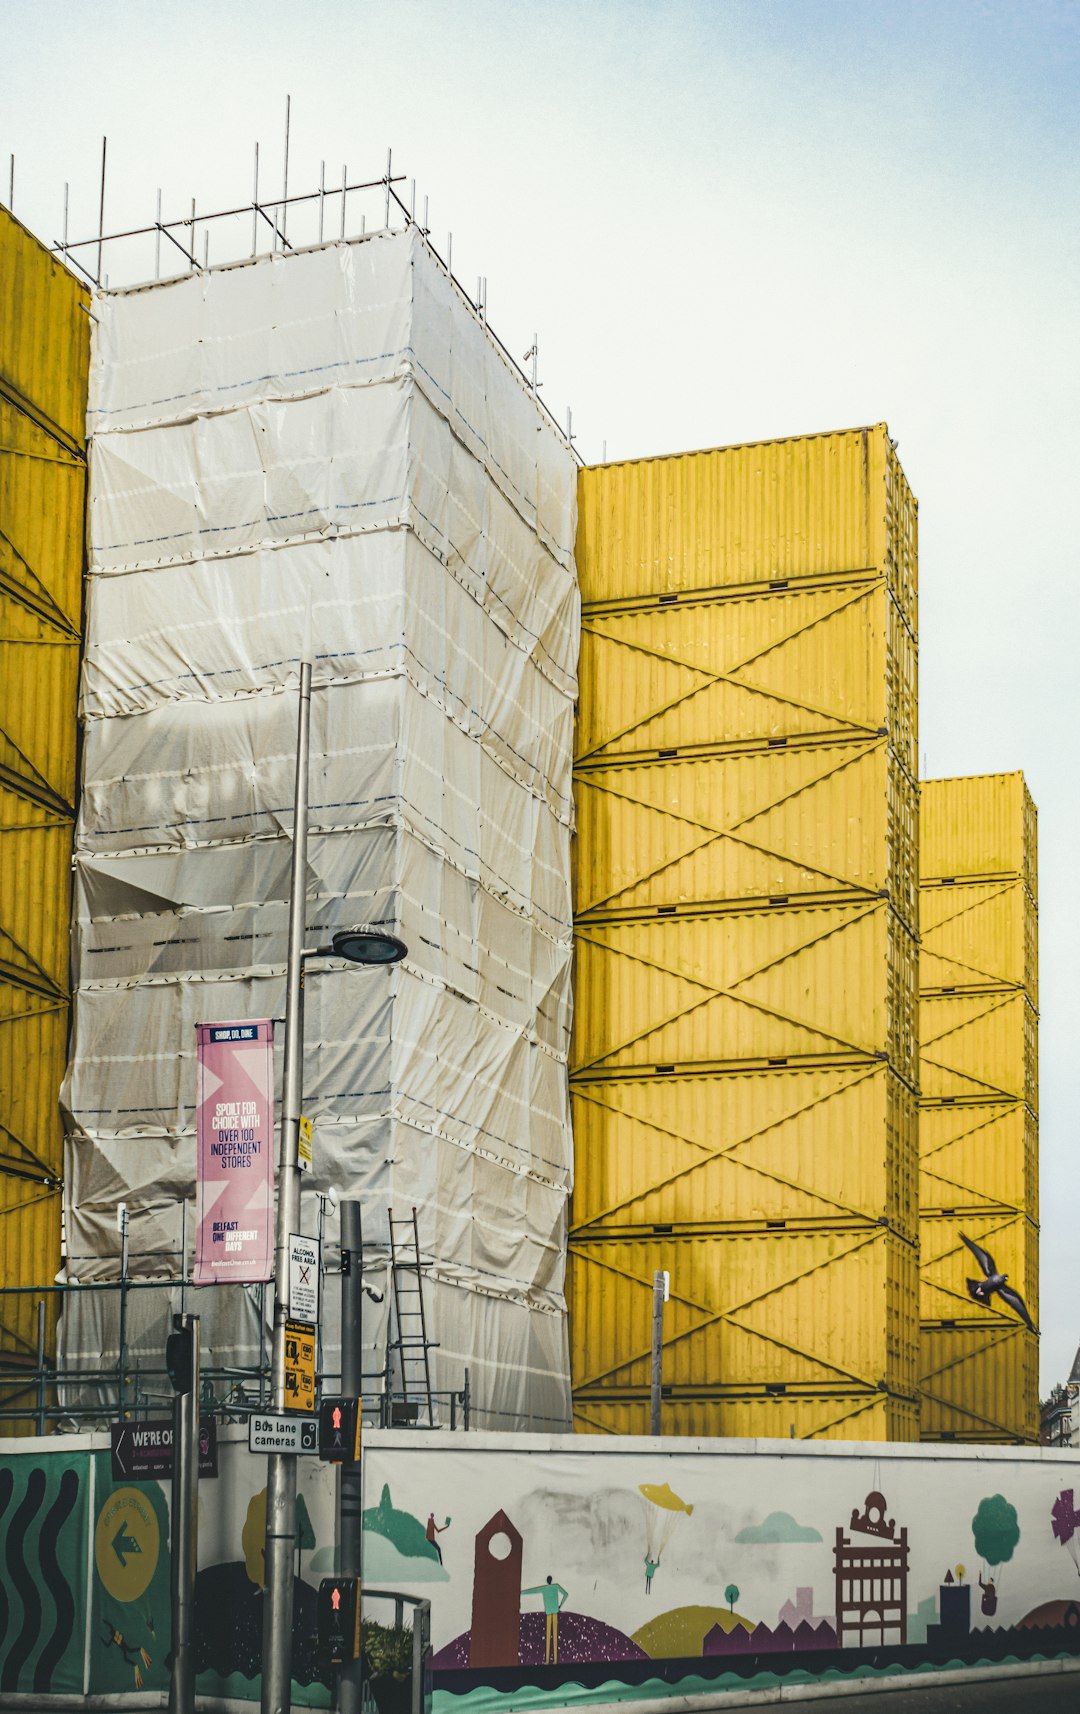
{"type": "Point", "coordinates": [185, 1516]}
{"type": "Point", "coordinates": [659, 1297]}
{"type": "Point", "coordinates": [358, 946]}
{"type": "Point", "coordinates": [349, 1490]}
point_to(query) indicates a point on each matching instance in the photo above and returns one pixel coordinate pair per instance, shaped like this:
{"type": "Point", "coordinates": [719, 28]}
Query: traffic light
{"type": "Point", "coordinates": [339, 1620]}
{"type": "Point", "coordinates": [339, 1431]}
{"type": "Point", "coordinates": [180, 1358]}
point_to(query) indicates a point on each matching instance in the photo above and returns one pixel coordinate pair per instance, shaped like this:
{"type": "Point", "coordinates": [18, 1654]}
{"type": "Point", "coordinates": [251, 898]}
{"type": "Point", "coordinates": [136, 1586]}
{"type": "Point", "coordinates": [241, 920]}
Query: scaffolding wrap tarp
{"type": "Point", "coordinates": [327, 450]}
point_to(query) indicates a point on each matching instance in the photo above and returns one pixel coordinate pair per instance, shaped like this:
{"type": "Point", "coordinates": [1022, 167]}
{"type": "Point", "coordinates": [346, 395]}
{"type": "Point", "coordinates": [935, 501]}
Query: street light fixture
{"type": "Point", "coordinates": [359, 946]}
{"type": "Point", "coordinates": [366, 946]}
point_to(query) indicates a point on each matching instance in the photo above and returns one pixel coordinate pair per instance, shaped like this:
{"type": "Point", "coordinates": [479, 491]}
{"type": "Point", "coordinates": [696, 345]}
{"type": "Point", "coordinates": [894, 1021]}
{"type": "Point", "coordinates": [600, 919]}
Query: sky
{"type": "Point", "coordinates": [726, 220]}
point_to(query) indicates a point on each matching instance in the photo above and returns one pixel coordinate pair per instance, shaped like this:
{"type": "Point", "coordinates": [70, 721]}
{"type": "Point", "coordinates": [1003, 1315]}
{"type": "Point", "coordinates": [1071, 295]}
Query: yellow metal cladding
{"type": "Point", "coordinates": [813, 506]}
{"type": "Point", "coordinates": [749, 1149]}
{"type": "Point", "coordinates": [820, 663]}
{"type": "Point", "coordinates": [946, 1263]}
{"type": "Point", "coordinates": [778, 1417]}
{"type": "Point", "coordinates": [983, 826]}
{"type": "Point", "coordinates": [978, 1122]}
{"type": "Point", "coordinates": [977, 1383]}
{"type": "Point", "coordinates": [744, 1061]}
{"type": "Point", "coordinates": [774, 985]}
{"type": "Point", "coordinates": [817, 1312]}
{"type": "Point", "coordinates": [44, 357]}
{"type": "Point", "coordinates": [979, 1155]}
{"type": "Point", "coordinates": [979, 1045]}
{"type": "Point", "coordinates": [805, 824]}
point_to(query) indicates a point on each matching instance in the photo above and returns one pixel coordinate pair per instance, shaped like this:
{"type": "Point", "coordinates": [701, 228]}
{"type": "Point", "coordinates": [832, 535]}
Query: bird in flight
{"type": "Point", "coordinates": [983, 1290]}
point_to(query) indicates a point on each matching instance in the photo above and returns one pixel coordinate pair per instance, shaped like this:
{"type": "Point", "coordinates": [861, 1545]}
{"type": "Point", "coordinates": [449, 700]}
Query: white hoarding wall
{"type": "Point", "coordinates": [327, 450]}
{"type": "Point", "coordinates": [604, 1569]}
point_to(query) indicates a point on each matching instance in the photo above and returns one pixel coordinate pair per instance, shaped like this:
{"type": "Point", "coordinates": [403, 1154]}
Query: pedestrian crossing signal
{"type": "Point", "coordinates": [339, 1431]}
{"type": "Point", "coordinates": [339, 1620]}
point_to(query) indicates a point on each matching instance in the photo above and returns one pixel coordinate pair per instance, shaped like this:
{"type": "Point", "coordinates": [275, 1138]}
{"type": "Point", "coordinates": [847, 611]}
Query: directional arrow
{"type": "Point", "coordinates": [123, 1543]}
{"type": "Point", "coordinates": [119, 1455]}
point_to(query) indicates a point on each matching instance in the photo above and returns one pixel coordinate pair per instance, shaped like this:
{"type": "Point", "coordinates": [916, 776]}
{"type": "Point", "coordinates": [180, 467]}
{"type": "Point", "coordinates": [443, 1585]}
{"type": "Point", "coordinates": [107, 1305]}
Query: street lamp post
{"type": "Point", "coordinates": [359, 946]}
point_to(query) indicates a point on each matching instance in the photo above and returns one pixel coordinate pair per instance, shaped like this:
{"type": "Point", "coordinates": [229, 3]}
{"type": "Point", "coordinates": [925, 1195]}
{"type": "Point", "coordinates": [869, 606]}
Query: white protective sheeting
{"type": "Point", "coordinates": [330, 444]}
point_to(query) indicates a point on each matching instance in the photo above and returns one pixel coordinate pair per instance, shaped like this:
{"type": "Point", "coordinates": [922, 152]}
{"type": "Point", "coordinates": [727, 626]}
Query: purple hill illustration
{"type": "Point", "coordinates": [580, 1639]}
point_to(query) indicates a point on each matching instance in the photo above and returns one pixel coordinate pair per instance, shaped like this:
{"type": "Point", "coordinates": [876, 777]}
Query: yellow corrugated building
{"type": "Point", "coordinates": [744, 1063]}
{"type": "Point", "coordinates": [978, 1121]}
{"type": "Point", "coordinates": [44, 362]}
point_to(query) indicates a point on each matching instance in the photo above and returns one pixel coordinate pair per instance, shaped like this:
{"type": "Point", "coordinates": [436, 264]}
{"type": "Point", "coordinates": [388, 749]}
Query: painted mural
{"type": "Point", "coordinates": [567, 1575]}
{"type": "Point", "coordinates": [559, 1571]}
{"type": "Point", "coordinates": [84, 1573]}
{"type": "Point", "coordinates": [43, 1521]}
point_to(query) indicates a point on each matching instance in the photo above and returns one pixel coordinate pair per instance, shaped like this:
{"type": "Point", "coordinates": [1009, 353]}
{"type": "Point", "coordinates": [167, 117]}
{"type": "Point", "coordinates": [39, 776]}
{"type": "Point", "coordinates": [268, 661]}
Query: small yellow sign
{"type": "Point", "coordinates": [127, 1542]}
{"type": "Point", "coordinates": [299, 1366]}
{"type": "Point", "coordinates": [303, 1145]}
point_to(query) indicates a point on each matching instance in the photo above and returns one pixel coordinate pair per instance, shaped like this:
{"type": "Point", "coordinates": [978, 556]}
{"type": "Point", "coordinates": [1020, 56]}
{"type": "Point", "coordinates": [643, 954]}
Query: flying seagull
{"type": "Point", "coordinates": [983, 1290]}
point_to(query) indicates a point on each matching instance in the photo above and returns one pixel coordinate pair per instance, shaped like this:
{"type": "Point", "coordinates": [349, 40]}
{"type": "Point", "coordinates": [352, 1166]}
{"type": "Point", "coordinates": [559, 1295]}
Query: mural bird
{"type": "Point", "coordinates": [983, 1290]}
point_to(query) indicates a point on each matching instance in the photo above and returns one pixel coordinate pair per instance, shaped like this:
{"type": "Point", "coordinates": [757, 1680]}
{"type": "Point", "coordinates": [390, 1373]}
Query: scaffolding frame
{"type": "Point", "coordinates": [270, 214]}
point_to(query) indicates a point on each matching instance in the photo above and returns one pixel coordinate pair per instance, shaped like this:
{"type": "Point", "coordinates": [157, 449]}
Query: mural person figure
{"type": "Point", "coordinates": [989, 1597]}
{"type": "Point", "coordinates": [554, 1597]}
{"type": "Point", "coordinates": [433, 1530]}
{"type": "Point", "coordinates": [652, 1566]}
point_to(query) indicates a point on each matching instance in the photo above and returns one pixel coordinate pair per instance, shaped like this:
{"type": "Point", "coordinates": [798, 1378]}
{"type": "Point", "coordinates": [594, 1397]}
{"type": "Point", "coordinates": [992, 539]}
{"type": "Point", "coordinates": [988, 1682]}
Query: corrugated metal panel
{"type": "Point", "coordinates": [44, 355]}
{"type": "Point", "coordinates": [979, 936]}
{"type": "Point", "coordinates": [975, 1156]}
{"type": "Point", "coordinates": [793, 1146]}
{"type": "Point", "coordinates": [854, 1416]}
{"type": "Point", "coordinates": [978, 1126]}
{"type": "Point", "coordinates": [822, 663]}
{"type": "Point", "coordinates": [811, 506]}
{"type": "Point", "coordinates": [979, 1047]}
{"type": "Point", "coordinates": [946, 1263]}
{"type": "Point", "coordinates": [35, 883]}
{"type": "Point", "coordinates": [828, 1309]}
{"type": "Point", "coordinates": [982, 825]}
{"type": "Point", "coordinates": [804, 823]}
{"type": "Point", "coordinates": [834, 981]}
{"type": "Point", "coordinates": [44, 332]}
{"type": "Point", "coordinates": [746, 875]}
{"type": "Point", "coordinates": [980, 1384]}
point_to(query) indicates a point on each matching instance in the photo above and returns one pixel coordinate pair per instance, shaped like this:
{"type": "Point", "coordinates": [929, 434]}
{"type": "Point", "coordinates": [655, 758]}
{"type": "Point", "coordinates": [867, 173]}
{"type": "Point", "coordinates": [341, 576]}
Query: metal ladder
{"type": "Point", "coordinates": [410, 1324]}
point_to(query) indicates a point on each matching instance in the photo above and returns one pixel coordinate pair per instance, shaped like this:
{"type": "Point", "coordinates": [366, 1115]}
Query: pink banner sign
{"type": "Point", "coordinates": [235, 1117]}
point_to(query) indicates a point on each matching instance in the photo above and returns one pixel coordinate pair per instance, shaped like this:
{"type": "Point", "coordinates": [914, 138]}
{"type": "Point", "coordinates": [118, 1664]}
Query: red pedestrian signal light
{"type": "Point", "coordinates": [339, 1620]}
{"type": "Point", "coordinates": [339, 1431]}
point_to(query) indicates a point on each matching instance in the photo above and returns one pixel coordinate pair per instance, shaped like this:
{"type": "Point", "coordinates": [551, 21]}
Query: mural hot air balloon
{"type": "Point", "coordinates": [663, 1511]}
{"type": "Point", "coordinates": [1064, 1519]}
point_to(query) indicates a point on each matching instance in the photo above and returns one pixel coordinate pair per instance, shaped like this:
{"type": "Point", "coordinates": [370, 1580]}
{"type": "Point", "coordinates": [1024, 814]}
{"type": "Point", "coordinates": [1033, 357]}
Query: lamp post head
{"type": "Point", "coordinates": [368, 946]}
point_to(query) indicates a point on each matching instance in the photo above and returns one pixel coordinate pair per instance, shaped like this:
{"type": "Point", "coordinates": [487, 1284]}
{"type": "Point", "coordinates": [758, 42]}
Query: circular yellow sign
{"type": "Point", "coordinates": [127, 1542]}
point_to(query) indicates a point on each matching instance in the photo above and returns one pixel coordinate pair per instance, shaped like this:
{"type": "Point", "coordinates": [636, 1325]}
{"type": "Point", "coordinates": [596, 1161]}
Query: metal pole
{"type": "Point", "coordinates": [349, 1487]}
{"type": "Point", "coordinates": [41, 1366]}
{"type": "Point", "coordinates": [658, 1292]}
{"type": "Point", "coordinates": [281, 1466]}
{"type": "Point", "coordinates": [185, 1527]}
{"type": "Point", "coordinates": [101, 210]}
{"type": "Point", "coordinates": [285, 174]}
{"type": "Point", "coordinates": [122, 1218]}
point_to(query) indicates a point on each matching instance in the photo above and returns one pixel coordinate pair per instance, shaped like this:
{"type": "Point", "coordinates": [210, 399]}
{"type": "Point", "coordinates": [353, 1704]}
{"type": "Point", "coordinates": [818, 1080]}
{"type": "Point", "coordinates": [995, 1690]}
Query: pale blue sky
{"type": "Point", "coordinates": [727, 221]}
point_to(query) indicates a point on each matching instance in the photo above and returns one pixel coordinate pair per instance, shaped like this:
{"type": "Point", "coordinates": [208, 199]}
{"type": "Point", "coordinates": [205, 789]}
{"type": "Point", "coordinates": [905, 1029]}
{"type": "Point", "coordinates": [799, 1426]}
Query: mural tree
{"type": "Point", "coordinates": [731, 1595]}
{"type": "Point", "coordinates": [995, 1529]}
